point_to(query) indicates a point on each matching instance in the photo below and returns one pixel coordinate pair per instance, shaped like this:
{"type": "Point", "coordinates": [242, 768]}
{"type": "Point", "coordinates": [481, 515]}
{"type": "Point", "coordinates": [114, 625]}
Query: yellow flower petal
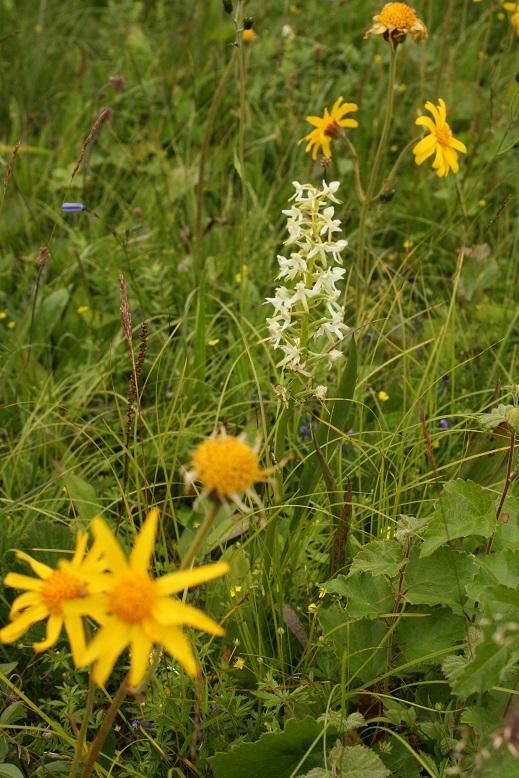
{"type": "Point", "coordinates": [183, 579]}
{"type": "Point", "coordinates": [22, 602]}
{"type": "Point", "coordinates": [168, 612]}
{"type": "Point", "coordinates": [43, 571]}
{"type": "Point", "coordinates": [17, 581]}
{"type": "Point", "coordinates": [76, 637]}
{"type": "Point", "coordinates": [54, 625]}
{"type": "Point", "coordinates": [21, 624]}
{"type": "Point", "coordinates": [142, 551]}
{"type": "Point", "coordinates": [115, 557]}
{"type": "Point", "coordinates": [177, 645]}
{"type": "Point", "coordinates": [81, 544]}
{"type": "Point", "coordinates": [140, 650]}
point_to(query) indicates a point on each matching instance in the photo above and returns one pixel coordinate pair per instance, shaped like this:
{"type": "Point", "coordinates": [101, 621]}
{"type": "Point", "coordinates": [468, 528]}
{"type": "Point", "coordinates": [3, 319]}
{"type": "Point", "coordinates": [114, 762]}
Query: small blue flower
{"type": "Point", "coordinates": [142, 723]}
{"type": "Point", "coordinates": [73, 207]}
{"type": "Point", "coordinates": [443, 424]}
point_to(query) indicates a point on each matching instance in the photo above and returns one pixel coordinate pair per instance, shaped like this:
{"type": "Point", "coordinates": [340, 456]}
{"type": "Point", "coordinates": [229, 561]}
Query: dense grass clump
{"type": "Point", "coordinates": [314, 384]}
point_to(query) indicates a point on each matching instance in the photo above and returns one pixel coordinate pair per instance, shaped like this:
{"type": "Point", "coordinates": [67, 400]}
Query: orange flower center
{"type": "Point", "coordinates": [60, 586]}
{"type": "Point", "coordinates": [132, 598]}
{"type": "Point", "coordinates": [443, 135]}
{"type": "Point", "coordinates": [399, 16]}
{"type": "Point", "coordinates": [226, 465]}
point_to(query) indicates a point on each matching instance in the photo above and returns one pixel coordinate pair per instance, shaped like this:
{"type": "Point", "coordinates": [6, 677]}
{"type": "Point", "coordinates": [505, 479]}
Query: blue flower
{"type": "Point", "coordinates": [443, 424]}
{"type": "Point", "coordinates": [73, 207]}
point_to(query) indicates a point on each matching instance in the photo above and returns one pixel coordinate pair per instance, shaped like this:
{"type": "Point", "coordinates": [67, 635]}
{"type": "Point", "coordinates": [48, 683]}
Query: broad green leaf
{"type": "Point", "coordinates": [7, 668]}
{"type": "Point", "coordinates": [10, 771]}
{"type": "Point", "coordinates": [380, 557]}
{"type": "Point", "coordinates": [84, 497]}
{"type": "Point", "coordinates": [282, 752]}
{"type": "Point", "coordinates": [359, 762]}
{"type": "Point", "coordinates": [48, 315]}
{"type": "Point", "coordinates": [367, 596]}
{"type": "Point", "coordinates": [464, 509]}
{"type": "Point", "coordinates": [355, 642]}
{"type": "Point", "coordinates": [436, 631]}
{"type": "Point", "coordinates": [439, 579]}
{"type": "Point", "coordinates": [14, 712]}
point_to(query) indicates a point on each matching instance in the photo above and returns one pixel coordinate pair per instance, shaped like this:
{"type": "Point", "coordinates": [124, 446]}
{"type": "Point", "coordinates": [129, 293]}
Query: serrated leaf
{"type": "Point", "coordinates": [464, 509]}
{"type": "Point", "coordinates": [380, 557]}
{"type": "Point", "coordinates": [367, 597]}
{"type": "Point", "coordinates": [359, 762]}
{"type": "Point", "coordinates": [284, 750]}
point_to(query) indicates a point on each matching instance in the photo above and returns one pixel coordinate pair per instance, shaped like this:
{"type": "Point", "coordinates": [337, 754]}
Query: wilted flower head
{"type": "Point", "coordinates": [308, 321]}
{"type": "Point", "coordinates": [395, 21]}
{"type": "Point", "coordinates": [440, 141]}
{"type": "Point", "coordinates": [328, 126]}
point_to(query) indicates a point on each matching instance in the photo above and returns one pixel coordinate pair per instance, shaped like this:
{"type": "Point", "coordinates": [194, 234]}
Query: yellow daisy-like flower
{"type": "Point", "coordinates": [60, 596]}
{"type": "Point", "coordinates": [514, 7]}
{"type": "Point", "coordinates": [440, 141]}
{"type": "Point", "coordinates": [395, 21]}
{"type": "Point", "coordinates": [328, 126]}
{"type": "Point", "coordinates": [137, 610]}
{"type": "Point", "coordinates": [227, 466]}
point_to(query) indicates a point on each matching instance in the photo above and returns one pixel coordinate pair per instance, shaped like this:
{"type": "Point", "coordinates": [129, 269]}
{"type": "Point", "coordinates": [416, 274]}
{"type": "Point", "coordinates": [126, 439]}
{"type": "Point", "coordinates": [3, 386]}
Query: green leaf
{"type": "Point", "coordinates": [48, 315]}
{"type": "Point", "coordinates": [14, 712]}
{"type": "Point", "coordinates": [84, 497]}
{"type": "Point", "coordinates": [380, 557]}
{"type": "Point", "coordinates": [464, 509]}
{"type": "Point", "coordinates": [437, 631]}
{"type": "Point", "coordinates": [368, 597]}
{"type": "Point", "coordinates": [440, 579]}
{"type": "Point", "coordinates": [10, 771]}
{"type": "Point", "coordinates": [284, 750]}
{"type": "Point", "coordinates": [359, 762]}
{"type": "Point", "coordinates": [487, 669]}
{"type": "Point", "coordinates": [356, 642]}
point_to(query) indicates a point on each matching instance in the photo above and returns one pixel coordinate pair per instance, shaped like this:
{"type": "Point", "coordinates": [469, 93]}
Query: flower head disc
{"type": "Point", "coordinates": [60, 596]}
{"type": "Point", "coordinates": [328, 126]}
{"type": "Point", "coordinates": [395, 21]}
{"type": "Point", "coordinates": [136, 610]}
{"type": "Point", "coordinates": [59, 587]}
{"type": "Point", "coordinates": [226, 465]}
{"type": "Point", "coordinates": [440, 141]}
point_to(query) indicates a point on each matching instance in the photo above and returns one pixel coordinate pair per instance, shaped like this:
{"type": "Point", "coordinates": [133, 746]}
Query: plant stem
{"type": "Point", "coordinates": [81, 740]}
{"type": "Point", "coordinates": [105, 728]}
{"type": "Point", "coordinates": [508, 482]}
{"type": "Point", "coordinates": [203, 531]}
{"type": "Point", "coordinates": [372, 181]}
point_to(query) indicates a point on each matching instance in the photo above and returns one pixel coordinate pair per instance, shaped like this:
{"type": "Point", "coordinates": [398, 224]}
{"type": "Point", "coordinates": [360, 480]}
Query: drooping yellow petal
{"type": "Point", "coordinates": [140, 650]}
{"type": "Point", "coordinates": [424, 148]}
{"type": "Point", "coordinates": [81, 544]}
{"type": "Point", "coordinates": [25, 600]}
{"type": "Point", "coordinates": [43, 571]}
{"type": "Point", "coordinates": [451, 159]}
{"type": "Point", "coordinates": [142, 551]}
{"type": "Point", "coordinates": [95, 606]}
{"type": "Point", "coordinates": [54, 626]}
{"type": "Point", "coordinates": [105, 664]}
{"type": "Point", "coordinates": [425, 121]}
{"type": "Point", "coordinates": [349, 123]}
{"type": "Point", "coordinates": [168, 612]}
{"type": "Point", "coordinates": [458, 145]}
{"type": "Point", "coordinates": [316, 121]}
{"type": "Point", "coordinates": [175, 644]}
{"type": "Point", "coordinates": [21, 624]}
{"type": "Point", "coordinates": [115, 557]}
{"type": "Point", "coordinates": [76, 637]}
{"type": "Point", "coordinates": [172, 583]}
{"type": "Point", "coordinates": [112, 637]}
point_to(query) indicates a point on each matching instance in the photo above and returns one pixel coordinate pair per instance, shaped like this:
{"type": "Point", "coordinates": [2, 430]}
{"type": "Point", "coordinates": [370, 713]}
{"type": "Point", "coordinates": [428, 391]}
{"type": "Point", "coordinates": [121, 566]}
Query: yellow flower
{"type": "Point", "coordinates": [60, 596]}
{"type": "Point", "coordinates": [395, 21]}
{"type": "Point", "coordinates": [3, 314]}
{"type": "Point", "coordinates": [249, 35]}
{"type": "Point", "coordinates": [439, 140]}
{"type": "Point", "coordinates": [11, 325]}
{"type": "Point", "coordinates": [225, 466]}
{"type": "Point", "coordinates": [328, 126]}
{"type": "Point", "coordinates": [137, 610]}
{"type": "Point", "coordinates": [514, 7]}
{"type": "Point", "coordinates": [239, 663]}
{"type": "Point", "coordinates": [82, 309]}
{"type": "Point", "coordinates": [383, 396]}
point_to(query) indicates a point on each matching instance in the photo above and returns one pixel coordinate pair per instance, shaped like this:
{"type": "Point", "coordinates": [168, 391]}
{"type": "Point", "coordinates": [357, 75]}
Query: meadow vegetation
{"type": "Point", "coordinates": [262, 388]}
